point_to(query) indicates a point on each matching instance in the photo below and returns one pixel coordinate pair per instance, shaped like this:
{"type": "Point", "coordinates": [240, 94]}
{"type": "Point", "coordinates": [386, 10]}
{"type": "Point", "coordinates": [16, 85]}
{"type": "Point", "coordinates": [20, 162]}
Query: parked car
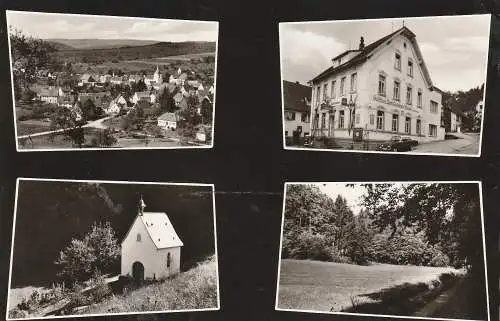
{"type": "Point", "coordinates": [412, 142]}
{"type": "Point", "coordinates": [308, 142]}
{"type": "Point", "coordinates": [396, 144]}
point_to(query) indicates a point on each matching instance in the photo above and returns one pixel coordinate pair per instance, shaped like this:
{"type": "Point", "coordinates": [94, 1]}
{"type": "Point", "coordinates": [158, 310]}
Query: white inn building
{"type": "Point", "coordinates": [382, 89]}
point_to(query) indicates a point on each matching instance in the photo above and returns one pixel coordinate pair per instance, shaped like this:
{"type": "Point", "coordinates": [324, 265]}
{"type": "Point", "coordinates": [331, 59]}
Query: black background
{"type": "Point", "coordinates": [248, 164]}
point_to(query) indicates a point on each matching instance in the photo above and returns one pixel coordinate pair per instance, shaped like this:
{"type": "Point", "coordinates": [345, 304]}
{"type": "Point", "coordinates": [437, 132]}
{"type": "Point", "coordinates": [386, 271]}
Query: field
{"type": "Point", "coordinates": [193, 289]}
{"type": "Point", "coordinates": [31, 126]}
{"type": "Point", "coordinates": [325, 286]}
{"type": "Point", "coordinates": [169, 59]}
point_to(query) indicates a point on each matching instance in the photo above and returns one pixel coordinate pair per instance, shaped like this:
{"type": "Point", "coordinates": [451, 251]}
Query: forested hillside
{"type": "Point", "coordinates": [417, 224]}
{"type": "Point", "coordinates": [50, 214]}
{"type": "Point", "coordinates": [160, 49]}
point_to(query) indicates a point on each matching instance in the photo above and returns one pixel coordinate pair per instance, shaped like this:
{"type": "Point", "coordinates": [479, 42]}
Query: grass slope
{"type": "Point", "coordinates": [325, 286]}
{"type": "Point", "coordinates": [193, 289]}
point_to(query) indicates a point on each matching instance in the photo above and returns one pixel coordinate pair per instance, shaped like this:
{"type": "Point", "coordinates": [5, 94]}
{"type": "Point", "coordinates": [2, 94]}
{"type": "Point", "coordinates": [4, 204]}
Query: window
{"type": "Point", "coordinates": [289, 115]}
{"type": "Point", "coordinates": [354, 82]}
{"type": "Point", "coordinates": [397, 61]}
{"type": "Point", "coordinates": [341, 119]}
{"type": "Point", "coordinates": [286, 132]}
{"type": "Point", "coordinates": [380, 120]}
{"type": "Point", "coordinates": [304, 117]}
{"type": "Point", "coordinates": [332, 89]}
{"type": "Point", "coordinates": [395, 122]}
{"type": "Point", "coordinates": [419, 127]}
{"type": "Point", "coordinates": [318, 97]}
{"type": "Point", "coordinates": [323, 120]}
{"type": "Point", "coordinates": [342, 86]}
{"type": "Point", "coordinates": [357, 118]}
{"type": "Point", "coordinates": [432, 130]}
{"type": "Point", "coordinates": [316, 121]}
{"type": "Point", "coordinates": [169, 259]}
{"type": "Point", "coordinates": [325, 88]}
{"type": "Point", "coordinates": [408, 125]}
{"type": "Point", "coordinates": [381, 85]}
{"type": "Point", "coordinates": [299, 129]}
{"type": "Point", "coordinates": [409, 95]}
{"type": "Point", "coordinates": [138, 237]}
{"type": "Point", "coordinates": [372, 119]}
{"type": "Point", "coordinates": [434, 107]}
{"type": "Point", "coordinates": [396, 90]}
{"type": "Point", "coordinates": [410, 68]}
{"type": "Point", "coordinates": [419, 98]}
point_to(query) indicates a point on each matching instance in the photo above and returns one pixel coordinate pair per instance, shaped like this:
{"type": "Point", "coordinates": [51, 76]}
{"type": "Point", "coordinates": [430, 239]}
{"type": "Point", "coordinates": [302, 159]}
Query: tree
{"type": "Point", "coordinates": [447, 215]}
{"type": "Point", "coordinates": [90, 111]}
{"type": "Point", "coordinates": [166, 102]}
{"type": "Point", "coordinates": [97, 251]}
{"type": "Point", "coordinates": [104, 138]}
{"type": "Point", "coordinates": [67, 119]}
{"type": "Point", "coordinates": [139, 86]}
{"type": "Point", "coordinates": [29, 54]}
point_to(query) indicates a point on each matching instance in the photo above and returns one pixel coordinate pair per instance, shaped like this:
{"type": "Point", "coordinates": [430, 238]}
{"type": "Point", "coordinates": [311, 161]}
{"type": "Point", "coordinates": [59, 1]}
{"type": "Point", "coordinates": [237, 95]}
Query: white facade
{"type": "Point", "coordinates": [372, 86]}
{"type": "Point", "coordinates": [167, 124]}
{"type": "Point", "coordinates": [151, 248]}
{"type": "Point", "coordinates": [296, 119]}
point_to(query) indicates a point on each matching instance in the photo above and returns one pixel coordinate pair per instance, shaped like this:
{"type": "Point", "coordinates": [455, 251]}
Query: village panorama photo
{"type": "Point", "coordinates": [83, 82]}
{"type": "Point", "coordinates": [407, 85]}
{"type": "Point", "coordinates": [92, 248]}
{"type": "Point", "coordinates": [398, 249]}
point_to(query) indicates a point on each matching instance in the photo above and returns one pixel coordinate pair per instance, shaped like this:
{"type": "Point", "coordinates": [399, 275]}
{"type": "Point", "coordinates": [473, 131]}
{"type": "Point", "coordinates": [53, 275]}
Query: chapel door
{"type": "Point", "coordinates": [138, 271]}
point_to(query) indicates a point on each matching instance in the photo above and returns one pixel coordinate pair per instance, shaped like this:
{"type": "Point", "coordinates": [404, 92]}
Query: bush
{"type": "Point", "coordinates": [16, 314]}
{"type": "Point", "coordinates": [440, 260]}
{"type": "Point", "coordinates": [311, 246]}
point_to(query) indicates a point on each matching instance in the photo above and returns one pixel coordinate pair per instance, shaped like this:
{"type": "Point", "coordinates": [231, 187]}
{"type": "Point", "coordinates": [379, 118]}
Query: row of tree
{"type": "Point", "coordinates": [418, 224]}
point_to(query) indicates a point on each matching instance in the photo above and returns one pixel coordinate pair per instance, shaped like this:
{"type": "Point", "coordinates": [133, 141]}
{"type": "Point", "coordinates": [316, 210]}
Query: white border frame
{"type": "Point", "coordinates": [480, 187]}
{"type": "Point", "coordinates": [208, 146]}
{"type": "Point", "coordinates": [383, 152]}
{"type": "Point", "coordinates": [217, 308]}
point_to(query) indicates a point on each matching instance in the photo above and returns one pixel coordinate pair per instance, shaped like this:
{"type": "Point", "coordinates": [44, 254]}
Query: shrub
{"type": "Point", "coordinates": [311, 246]}
{"type": "Point", "coordinates": [16, 314]}
{"type": "Point", "coordinates": [440, 260]}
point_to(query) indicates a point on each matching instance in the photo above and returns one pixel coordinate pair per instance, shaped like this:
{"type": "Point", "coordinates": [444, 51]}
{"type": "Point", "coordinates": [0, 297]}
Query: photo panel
{"type": "Point", "coordinates": [384, 249]}
{"type": "Point", "coordinates": [92, 82]}
{"type": "Point", "coordinates": [104, 248]}
{"type": "Point", "coordinates": [401, 85]}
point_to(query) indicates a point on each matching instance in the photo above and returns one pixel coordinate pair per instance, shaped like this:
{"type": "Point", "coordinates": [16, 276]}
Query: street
{"type": "Point", "coordinates": [467, 144]}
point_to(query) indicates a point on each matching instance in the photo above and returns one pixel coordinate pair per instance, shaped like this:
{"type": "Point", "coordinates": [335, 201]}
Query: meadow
{"type": "Point", "coordinates": [326, 286]}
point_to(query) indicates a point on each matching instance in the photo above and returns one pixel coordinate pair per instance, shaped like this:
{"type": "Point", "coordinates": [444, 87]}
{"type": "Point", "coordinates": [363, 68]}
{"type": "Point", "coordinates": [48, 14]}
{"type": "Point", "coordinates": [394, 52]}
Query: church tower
{"type": "Point", "coordinates": [142, 206]}
{"type": "Point", "coordinates": [157, 76]}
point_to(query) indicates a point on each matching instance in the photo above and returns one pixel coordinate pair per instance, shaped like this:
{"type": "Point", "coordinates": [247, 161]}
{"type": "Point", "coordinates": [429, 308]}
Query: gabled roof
{"type": "Point", "coordinates": [142, 94]}
{"type": "Point", "coordinates": [296, 96]}
{"type": "Point", "coordinates": [47, 92]}
{"type": "Point", "coordinates": [168, 117]}
{"type": "Point", "coordinates": [364, 54]}
{"type": "Point", "coordinates": [160, 229]}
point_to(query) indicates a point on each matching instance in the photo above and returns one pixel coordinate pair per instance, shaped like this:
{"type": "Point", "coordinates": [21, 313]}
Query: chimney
{"type": "Point", "coordinates": [361, 43]}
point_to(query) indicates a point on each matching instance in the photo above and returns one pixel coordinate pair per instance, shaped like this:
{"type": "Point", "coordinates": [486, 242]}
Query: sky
{"type": "Point", "coordinates": [72, 26]}
{"type": "Point", "coordinates": [351, 194]}
{"type": "Point", "coordinates": [455, 49]}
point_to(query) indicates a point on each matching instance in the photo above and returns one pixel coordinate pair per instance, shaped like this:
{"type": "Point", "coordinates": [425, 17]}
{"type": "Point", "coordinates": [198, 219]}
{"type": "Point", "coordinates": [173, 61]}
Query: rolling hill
{"type": "Point", "coordinates": [72, 44]}
{"type": "Point", "coordinates": [134, 52]}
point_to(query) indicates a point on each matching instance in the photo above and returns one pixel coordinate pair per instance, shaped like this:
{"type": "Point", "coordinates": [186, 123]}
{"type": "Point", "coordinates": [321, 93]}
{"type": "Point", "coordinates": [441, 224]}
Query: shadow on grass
{"type": "Point", "coordinates": [404, 299]}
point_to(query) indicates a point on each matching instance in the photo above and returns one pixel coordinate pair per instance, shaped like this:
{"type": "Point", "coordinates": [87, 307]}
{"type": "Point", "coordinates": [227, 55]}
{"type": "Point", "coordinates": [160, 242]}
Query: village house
{"type": "Point", "coordinates": [104, 79]}
{"type": "Point", "coordinates": [178, 98]}
{"type": "Point", "coordinates": [87, 79]}
{"type": "Point", "coordinates": [382, 89]}
{"type": "Point", "coordinates": [151, 248]}
{"type": "Point", "coordinates": [143, 96]}
{"type": "Point", "coordinates": [49, 94]}
{"type": "Point", "coordinates": [452, 119]}
{"type": "Point", "coordinates": [167, 121]}
{"type": "Point", "coordinates": [66, 101]}
{"type": "Point", "coordinates": [134, 78]}
{"type": "Point", "coordinates": [297, 108]}
{"type": "Point", "coordinates": [116, 105]}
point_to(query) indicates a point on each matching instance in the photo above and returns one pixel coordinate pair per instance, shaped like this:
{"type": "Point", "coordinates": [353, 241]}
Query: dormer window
{"type": "Point", "coordinates": [397, 61]}
{"type": "Point", "coordinates": [139, 237]}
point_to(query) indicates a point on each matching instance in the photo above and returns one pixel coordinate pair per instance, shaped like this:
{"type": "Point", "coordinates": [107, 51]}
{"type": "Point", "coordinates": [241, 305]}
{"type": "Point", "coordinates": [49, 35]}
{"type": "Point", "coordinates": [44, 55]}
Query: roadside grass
{"type": "Point", "coordinates": [28, 127]}
{"type": "Point", "coordinates": [193, 289]}
{"type": "Point", "coordinates": [326, 286]}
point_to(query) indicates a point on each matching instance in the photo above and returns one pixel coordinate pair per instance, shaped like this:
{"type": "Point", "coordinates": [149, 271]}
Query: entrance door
{"type": "Point", "coordinates": [138, 271]}
{"type": "Point", "coordinates": [331, 125]}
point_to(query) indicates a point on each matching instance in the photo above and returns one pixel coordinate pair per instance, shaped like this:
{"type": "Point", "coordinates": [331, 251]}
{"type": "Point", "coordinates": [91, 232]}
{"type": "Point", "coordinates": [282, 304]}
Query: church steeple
{"type": "Point", "coordinates": [142, 206]}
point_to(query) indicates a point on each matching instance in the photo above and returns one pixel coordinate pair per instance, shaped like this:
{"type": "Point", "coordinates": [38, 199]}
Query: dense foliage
{"type": "Point", "coordinates": [97, 252]}
{"type": "Point", "coordinates": [417, 224]}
